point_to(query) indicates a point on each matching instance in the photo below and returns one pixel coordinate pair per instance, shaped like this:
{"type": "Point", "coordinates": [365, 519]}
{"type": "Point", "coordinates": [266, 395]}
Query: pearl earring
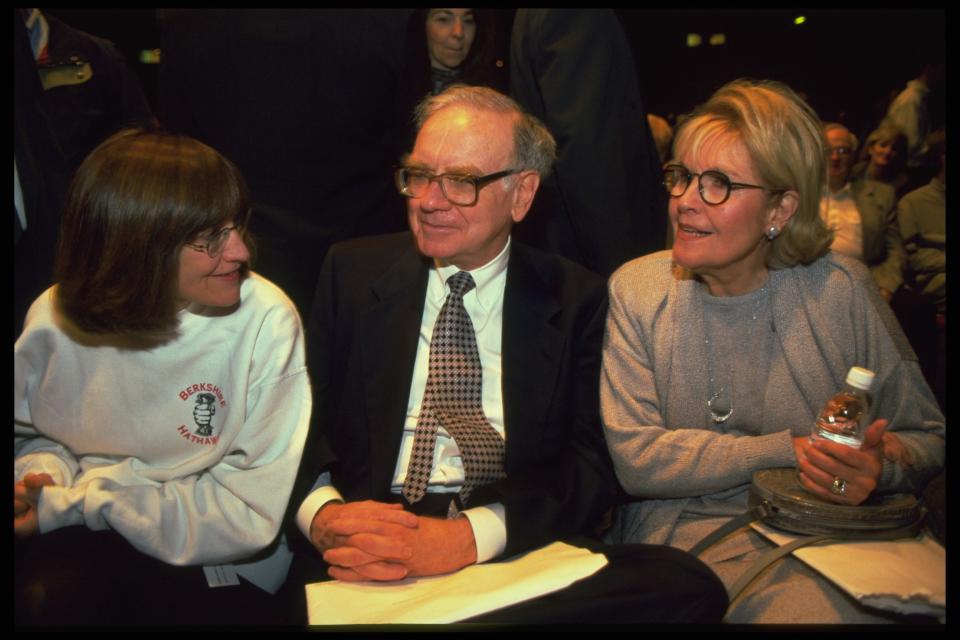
{"type": "Point", "coordinates": [772, 232]}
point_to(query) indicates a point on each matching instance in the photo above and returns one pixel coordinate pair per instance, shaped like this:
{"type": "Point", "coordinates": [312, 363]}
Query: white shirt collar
{"type": "Point", "coordinates": [485, 278]}
{"type": "Point", "coordinates": [842, 194]}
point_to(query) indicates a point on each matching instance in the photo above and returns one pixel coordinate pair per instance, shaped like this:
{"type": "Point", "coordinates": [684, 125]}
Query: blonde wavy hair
{"type": "Point", "coordinates": [784, 139]}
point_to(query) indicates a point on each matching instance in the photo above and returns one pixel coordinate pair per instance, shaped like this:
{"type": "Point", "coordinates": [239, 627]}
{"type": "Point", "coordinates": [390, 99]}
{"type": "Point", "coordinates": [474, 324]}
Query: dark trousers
{"type": "Point", "coordinates": [641, 583]}
{"type": "Point", "coordinates": [927, 336]}
{"type": "Point", "coordinates": [78, 577]}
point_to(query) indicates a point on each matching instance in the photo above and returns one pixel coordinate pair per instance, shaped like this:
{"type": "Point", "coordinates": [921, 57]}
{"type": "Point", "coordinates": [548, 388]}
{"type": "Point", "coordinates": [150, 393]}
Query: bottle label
{"type": "Point", "coordinates": [849, 440]}
{"type": "Point", "coordinates": [839, 420]}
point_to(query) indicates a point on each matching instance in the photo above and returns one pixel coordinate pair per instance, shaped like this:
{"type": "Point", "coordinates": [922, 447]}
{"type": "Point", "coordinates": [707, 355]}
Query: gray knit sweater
{"type": "Point", "coordinates": [826, 317]}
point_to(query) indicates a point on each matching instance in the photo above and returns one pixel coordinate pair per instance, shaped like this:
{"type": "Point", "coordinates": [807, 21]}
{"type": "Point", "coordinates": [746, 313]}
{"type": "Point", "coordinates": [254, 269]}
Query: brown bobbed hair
{"type": "Point", "coordinates": [133, 203]}
{"type": "Point", "coordinates": [785, 141]}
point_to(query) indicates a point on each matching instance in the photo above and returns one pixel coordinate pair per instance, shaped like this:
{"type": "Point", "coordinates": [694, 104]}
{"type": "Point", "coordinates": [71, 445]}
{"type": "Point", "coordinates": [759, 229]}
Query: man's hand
{"type": "Point", "coordinates": [363, 537]}
{"type": "Point", "coordinates": [821, 461]}
{"type": "Point", "coordinates": [376, 541]}
{"type": "Point", "coordinates": [26, 495]}
{"type": "Point", "coordinates": [436, 546]}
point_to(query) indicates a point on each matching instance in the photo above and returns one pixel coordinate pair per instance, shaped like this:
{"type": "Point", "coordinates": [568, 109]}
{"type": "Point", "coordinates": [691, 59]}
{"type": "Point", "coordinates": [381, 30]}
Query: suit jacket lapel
{"type": "Point", "coordinates": [391, 329]}
{"type": "Point", "coordinates": [872, 217]}
{"type": "Point", "coordinates": [532, 346]}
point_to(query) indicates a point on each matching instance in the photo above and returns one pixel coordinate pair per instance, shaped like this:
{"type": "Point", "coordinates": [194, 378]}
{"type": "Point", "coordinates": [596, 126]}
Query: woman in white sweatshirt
{"type": "Point", "coordinates": [161, 400]}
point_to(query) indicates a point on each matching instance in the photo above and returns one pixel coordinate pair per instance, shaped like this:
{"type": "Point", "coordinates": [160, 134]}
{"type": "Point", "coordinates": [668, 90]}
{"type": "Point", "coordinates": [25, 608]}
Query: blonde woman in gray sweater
{"type": "Point", "coordinates": [719, 355]}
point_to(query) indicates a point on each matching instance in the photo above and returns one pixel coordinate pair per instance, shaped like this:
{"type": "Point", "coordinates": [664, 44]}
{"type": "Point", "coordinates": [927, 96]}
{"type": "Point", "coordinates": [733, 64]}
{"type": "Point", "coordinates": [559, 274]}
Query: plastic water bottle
{"type": "Point", "coordinates": [841, 418]}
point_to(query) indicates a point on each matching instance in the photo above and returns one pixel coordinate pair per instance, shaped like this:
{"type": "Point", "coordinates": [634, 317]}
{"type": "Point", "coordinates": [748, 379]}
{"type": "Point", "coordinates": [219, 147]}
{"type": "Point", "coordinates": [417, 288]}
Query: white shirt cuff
{"type": "Point", "coordinates": [308, 509]}
{"type": "Point", "coordinates": [489, 524]}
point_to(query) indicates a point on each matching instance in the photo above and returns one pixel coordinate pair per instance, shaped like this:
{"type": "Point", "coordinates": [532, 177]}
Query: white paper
{"type": "Point", "coordinates": [907, 575]}
{"type": "Point", "coordinates": [457, 596]}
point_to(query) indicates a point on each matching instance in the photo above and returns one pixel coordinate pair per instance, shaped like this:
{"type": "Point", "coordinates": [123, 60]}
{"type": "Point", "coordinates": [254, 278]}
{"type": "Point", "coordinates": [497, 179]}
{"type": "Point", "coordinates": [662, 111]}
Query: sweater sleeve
{"type": "Point", "coordinates": [32, 452]}
{"type": "Point", "coordinates": [901, 394]}
{"type": "Point", "coordinates": [655, 460]}
{"type": "Point", "coordinates": [233, 508]}
{"type": "Point", "coordinates": [914, 418]}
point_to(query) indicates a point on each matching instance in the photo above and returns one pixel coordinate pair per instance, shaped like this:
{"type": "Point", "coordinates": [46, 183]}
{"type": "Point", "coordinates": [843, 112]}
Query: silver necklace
{"type": "Point", "coordinates": [719, 405]}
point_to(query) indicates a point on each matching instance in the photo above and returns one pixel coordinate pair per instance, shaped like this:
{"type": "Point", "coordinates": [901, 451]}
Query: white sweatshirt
{"type": "Point", "coordinates": [188, 450]}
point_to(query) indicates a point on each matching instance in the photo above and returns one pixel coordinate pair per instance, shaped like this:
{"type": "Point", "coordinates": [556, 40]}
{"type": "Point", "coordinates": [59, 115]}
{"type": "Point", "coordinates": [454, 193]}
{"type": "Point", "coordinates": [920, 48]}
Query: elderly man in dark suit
{"type": "Point", "coordinates": [456, 377]}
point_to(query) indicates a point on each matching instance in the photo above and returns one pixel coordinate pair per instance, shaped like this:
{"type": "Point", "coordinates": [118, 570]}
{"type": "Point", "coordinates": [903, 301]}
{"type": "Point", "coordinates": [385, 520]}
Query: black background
{"type": "Point", "coordinates": [848, 62]}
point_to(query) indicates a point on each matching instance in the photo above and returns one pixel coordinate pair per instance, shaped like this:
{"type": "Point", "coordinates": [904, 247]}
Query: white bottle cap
{"type": "Point", "coordinates": [860, 378]}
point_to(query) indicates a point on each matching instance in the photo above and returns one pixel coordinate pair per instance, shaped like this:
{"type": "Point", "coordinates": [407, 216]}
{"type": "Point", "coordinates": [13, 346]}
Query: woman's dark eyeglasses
{"type": "Point", "coordinates": [714, 187]}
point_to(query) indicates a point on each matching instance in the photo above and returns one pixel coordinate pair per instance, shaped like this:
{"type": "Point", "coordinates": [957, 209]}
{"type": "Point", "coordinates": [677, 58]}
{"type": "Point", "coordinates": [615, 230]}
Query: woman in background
{"type": "Point", "coordinates": [445, 47]}
{"type": "Point", "coordinates": [459, 46]}
{"type": "Point", "coordinates": [884, 159]}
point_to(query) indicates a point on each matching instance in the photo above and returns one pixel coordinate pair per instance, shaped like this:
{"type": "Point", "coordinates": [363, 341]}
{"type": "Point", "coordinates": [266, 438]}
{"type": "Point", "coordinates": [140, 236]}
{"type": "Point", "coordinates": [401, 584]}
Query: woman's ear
{"type": "Point", "coordinates": [783, 211]}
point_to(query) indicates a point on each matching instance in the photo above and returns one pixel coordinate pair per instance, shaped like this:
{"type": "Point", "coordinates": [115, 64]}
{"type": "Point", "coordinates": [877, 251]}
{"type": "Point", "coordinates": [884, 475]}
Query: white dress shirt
{"type": "Point", "coordinates": [839, 212]}
{"type": "Point", "coordinates": [484, 305]}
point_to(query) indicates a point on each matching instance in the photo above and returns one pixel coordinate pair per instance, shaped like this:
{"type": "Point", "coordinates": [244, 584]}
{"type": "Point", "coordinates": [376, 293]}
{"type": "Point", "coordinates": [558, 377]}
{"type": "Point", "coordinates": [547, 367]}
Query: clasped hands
{"type": "Point", "coordinates": [822, 463]}
{"type": "Point", "coordinates": [26, 496]}
{"type": "Point", "coordinates": [372, 540]}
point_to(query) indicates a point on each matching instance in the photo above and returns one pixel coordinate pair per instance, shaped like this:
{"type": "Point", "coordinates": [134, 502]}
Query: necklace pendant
{"type": "Point", "coordinates": [719, 416]}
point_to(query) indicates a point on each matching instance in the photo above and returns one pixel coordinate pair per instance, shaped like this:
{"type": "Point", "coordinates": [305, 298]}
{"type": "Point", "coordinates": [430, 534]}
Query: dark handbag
{"type": "Point", "coordinates": [777, 499]}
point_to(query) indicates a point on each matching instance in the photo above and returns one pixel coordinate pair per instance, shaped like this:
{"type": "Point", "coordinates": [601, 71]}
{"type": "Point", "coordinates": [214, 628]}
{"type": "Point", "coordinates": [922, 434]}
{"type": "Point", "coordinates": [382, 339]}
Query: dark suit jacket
{"type": "Point", "coordinates": [882, 246]}
{"type": "Point", "coordinates": [362, 342]}
{"type": "Point", "coordinates": [603, 204]}
{"type": "Point", "coordinates": [301, 101]}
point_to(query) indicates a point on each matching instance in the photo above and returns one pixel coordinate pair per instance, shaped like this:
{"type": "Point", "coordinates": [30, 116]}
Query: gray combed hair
{"type": "Point", "coordinates": [534, 148]}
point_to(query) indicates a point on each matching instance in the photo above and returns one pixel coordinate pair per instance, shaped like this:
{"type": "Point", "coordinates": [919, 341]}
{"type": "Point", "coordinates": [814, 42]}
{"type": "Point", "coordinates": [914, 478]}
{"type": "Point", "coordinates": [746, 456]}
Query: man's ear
{"type": "Point", "coordinates": [527, 184]}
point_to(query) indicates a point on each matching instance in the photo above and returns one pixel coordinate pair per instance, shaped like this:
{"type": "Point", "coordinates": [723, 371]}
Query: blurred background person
{"type": "Point", "coordinates": [450, 35]}
{"type": "Point", "coordinates": [459, 46]}
{"type": "Point", "coordinates": [603, 205]}
{"type": "Point", "coordinates": [161, 402]}
{"type": "Point", "coordinates": [720, 354]}
{"type": "Point", "coordinates": [861, 214]}
{"type": "Point", "coordinates": [922, 309]}
{"type": "Point", "coordinates": [884, 159]}
{"type": "Point", "coordinates": [910, 110]}
{"type": "Point", "coordinates": [448, 46]}
{"type": "Point", "coordinates": [662, 135]}
{"type": "Point", "coordinates": [90, 91]}
{"type": "Point", "coordinates": [71, 91]}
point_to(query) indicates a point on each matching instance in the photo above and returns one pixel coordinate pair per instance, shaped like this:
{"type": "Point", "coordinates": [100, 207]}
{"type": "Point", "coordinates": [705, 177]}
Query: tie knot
{"type": "Point", "coordinates": [460, 283]}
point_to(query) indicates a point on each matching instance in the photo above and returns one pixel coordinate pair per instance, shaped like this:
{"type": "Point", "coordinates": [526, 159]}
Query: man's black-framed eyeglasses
{"type": "Point", "coordinates": [714, 186]}
{"type": "Point", "coordinates": [460, 189]}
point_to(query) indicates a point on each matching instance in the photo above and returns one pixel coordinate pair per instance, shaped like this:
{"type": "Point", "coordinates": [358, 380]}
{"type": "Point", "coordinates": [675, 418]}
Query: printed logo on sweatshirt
{"type": "Point", "coordinates": [204, 399]}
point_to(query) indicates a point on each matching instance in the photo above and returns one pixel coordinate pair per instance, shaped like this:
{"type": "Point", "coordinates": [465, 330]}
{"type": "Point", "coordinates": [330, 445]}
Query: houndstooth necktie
{"type": "Point", "coordinates": [452, 399]}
